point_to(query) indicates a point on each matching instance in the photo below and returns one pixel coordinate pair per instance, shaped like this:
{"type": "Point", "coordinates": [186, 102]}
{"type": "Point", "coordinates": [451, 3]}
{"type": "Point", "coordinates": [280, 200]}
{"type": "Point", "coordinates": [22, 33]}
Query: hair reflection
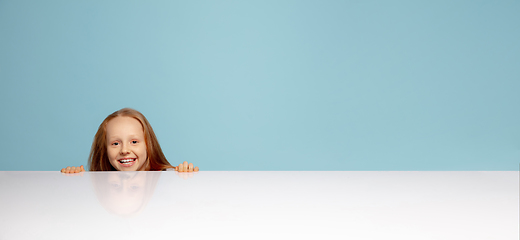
{"type": "Point", "coordinates": [125, 194]}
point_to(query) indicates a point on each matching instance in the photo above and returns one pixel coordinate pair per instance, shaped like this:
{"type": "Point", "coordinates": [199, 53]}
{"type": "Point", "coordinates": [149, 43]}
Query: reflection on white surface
{"type": "Point", "coordinates": [125, 194]}
{"type": "Point", "coordinates": [260, 205]}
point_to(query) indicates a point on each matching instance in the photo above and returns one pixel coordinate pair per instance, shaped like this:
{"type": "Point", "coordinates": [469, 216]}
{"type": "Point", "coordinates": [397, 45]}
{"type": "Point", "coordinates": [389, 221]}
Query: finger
{"type": "Point", "coordinates": [180, 167]}
{"type": "Point", "coordinates": [67, 170]}
{"type": "Point", "coordinates": [185, 166]}
{"type": "Point", "coordinates": [77, 170]}
{"type": "Point", "coordinates": [190, 167]}
{"type": "Point", "coordinates": [63, 170]}
{"type": "Point", "coordinates": [196, 169]}
{"type": "Point", "coordinates": [82, 169]}
{"type": "Point", "coordinates": [176, 168]}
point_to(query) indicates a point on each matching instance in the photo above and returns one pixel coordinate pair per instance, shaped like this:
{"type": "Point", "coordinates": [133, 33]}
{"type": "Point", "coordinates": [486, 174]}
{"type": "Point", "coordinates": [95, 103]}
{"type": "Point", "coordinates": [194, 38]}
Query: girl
{"type": "Point", "coordinates": [125, 141]}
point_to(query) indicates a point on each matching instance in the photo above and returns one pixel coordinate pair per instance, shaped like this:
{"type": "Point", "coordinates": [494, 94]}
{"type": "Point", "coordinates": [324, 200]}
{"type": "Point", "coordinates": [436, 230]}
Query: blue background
{"type": "Point", "coordinates": [266, 85]}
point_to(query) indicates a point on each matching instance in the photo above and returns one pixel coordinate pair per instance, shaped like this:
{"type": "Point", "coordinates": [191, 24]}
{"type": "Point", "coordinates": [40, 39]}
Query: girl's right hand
{"type": "Point", "coordinates": [73, 169]}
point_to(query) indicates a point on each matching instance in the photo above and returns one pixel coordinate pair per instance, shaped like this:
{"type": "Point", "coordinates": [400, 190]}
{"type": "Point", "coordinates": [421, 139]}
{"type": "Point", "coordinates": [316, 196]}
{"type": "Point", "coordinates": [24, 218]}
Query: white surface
{"type": "Point", "coordinates": [260, 205]}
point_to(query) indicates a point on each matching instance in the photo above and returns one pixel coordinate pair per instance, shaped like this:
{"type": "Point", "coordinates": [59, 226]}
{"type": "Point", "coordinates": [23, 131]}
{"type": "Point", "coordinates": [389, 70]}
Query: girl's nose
{"type": "Point", "coordinates": [124, 150]}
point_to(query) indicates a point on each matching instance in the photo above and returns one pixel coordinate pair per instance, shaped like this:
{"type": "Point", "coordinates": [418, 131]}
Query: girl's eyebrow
{"type": "Point", "coordinates": [118, 137]}
{"type": "Point", "coordinates": [133, 136]}
{"type": "Point", "coordinates": [113, 138]}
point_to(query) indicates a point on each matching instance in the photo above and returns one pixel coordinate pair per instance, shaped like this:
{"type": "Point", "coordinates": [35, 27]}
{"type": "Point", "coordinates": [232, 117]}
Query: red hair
{"type": "Point", "coordinates": [98, 158]}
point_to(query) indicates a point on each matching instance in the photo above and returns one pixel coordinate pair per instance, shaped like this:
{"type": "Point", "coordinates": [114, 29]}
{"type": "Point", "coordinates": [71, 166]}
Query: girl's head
{"type": "Point", "coordinates": [125, 141]}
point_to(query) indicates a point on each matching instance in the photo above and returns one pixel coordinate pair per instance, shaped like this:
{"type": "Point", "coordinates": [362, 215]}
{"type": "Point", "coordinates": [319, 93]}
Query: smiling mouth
{"type": "Point", "coordinates": [127, 162]}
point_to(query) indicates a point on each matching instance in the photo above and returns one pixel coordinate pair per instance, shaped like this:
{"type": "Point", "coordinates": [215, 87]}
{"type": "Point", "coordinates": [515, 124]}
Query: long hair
{"type": "Point", "coordinates": [98, 158]}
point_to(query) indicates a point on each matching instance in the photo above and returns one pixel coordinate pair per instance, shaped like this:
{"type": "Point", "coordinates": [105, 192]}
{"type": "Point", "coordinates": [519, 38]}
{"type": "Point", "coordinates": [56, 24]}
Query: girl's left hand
{"type": "Point", "coordinates": [185, 167]}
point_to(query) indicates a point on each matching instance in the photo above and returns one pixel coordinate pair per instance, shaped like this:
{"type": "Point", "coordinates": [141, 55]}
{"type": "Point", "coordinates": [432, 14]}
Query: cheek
{"type": "Point", "coordinates": [143, 153]}
{"type": "Point", "coordinates": [112, 153]}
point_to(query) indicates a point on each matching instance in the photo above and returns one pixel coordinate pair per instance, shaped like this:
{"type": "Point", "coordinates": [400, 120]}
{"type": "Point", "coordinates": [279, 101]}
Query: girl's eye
{"type": "Point", "coordinates": [115, 144]}
{"type": "Point", "coordinates": [134, 142]}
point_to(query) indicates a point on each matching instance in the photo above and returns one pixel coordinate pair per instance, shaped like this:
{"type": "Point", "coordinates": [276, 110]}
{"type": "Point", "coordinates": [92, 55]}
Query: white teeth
{"type": "Point", "coordinates": [126, 160]}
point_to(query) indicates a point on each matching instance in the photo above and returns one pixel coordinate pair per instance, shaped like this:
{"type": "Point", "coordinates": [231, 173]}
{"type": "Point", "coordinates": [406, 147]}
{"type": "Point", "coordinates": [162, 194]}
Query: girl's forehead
{"type": "Point", "coordinates": [121, 125]}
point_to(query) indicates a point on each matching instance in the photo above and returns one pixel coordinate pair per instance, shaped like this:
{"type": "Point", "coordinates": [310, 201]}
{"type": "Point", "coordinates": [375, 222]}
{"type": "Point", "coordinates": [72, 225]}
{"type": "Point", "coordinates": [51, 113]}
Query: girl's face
{"type": "Point", "coordinates": [126, 147]}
